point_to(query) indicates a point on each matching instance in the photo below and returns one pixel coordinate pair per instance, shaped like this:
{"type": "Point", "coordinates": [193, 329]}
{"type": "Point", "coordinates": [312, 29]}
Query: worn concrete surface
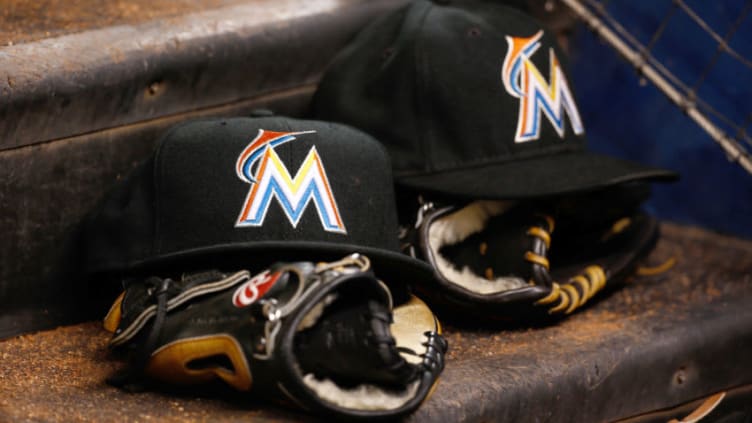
{"type": "Point", "coordinates": [641, 348]}
{"type": "Point", "coordinates": [22, 21]}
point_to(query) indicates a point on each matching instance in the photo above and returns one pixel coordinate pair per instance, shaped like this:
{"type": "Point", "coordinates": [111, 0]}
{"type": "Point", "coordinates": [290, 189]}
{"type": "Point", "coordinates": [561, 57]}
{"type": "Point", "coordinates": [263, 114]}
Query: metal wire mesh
{"type": "Point", "coordinates": [684, 89]}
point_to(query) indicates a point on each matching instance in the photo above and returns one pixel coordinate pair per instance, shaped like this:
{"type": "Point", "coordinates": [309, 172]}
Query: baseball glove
{"type": "Point", "coordinates": [530, 259]}
{"type": "Point", "coordinates": [322, 336]}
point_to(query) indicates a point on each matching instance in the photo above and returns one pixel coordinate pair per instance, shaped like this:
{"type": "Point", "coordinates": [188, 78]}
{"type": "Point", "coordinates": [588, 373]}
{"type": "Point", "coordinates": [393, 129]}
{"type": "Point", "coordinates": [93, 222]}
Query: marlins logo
{"type": "Point", "coordinates": [523, 80]}
{"type": "Point", "coordinates": [270, 178]}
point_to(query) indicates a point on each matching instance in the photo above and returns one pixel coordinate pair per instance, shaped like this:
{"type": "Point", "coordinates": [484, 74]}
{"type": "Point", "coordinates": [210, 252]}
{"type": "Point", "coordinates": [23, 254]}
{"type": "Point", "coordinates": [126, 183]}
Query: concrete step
{"type": "Point", "coordinates": [649, 352]}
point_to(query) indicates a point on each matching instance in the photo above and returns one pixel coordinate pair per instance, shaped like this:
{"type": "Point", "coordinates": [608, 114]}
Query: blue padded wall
{"type": "Point", "coordinates": [634, 120]}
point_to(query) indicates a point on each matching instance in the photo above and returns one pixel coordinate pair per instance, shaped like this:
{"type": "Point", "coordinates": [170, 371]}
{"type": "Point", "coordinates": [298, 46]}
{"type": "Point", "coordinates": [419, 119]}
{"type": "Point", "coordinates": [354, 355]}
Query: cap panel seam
{"type": "Point", "coordinates": [420, 86]}
{"type": "Point", "coordinates": [156, 246]}
{"type": "Point", "coordinates": [289, 150]}
{"type": "Point", "coordinates": [157, 174]}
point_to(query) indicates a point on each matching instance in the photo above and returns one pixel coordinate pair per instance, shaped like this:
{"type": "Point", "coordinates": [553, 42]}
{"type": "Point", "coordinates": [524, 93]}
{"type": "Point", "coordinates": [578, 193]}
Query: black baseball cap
{"type": "Point", "coordinates": [252, 191]}
{"type": "Point", "coordinates": [472, 99]}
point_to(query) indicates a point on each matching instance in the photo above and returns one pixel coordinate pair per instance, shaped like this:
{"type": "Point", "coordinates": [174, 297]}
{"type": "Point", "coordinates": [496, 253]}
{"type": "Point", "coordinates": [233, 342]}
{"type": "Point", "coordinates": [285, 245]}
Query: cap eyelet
{"type": "Point", "coordinates": [387, 53]}
{"type": "Point", "coordinates": [473, 32]}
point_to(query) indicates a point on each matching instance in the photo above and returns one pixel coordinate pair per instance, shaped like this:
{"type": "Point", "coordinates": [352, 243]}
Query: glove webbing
{"type": "Point", "coordinates": [577, 290]}
{"type": "Point", "coordinates": [436, 346]}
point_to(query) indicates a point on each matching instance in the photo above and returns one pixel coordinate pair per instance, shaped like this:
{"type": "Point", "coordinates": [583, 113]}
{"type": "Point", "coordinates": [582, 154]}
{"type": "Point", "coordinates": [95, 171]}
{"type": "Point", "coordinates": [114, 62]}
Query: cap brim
{"type": "Point", "coordinates": [393, 268]}
{"type": "Point", "coordinates": [558, 174]}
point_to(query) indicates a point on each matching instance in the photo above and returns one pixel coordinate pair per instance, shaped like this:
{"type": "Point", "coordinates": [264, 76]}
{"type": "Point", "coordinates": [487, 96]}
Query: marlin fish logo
{"type": "Point", "coordinates": [524, 81]}
{"type": "Point", "coordinates": [260, 166]}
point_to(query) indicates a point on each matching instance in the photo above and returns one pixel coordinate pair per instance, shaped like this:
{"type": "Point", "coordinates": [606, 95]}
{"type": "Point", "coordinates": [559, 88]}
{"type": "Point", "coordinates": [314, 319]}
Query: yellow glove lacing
{"type": "Point", "coordinates": [565, 297]}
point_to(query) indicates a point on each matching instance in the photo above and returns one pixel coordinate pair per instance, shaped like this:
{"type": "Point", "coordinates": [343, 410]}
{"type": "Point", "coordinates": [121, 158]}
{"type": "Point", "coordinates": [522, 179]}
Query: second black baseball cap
{"type": "Point", "coordinates": [471, 99]}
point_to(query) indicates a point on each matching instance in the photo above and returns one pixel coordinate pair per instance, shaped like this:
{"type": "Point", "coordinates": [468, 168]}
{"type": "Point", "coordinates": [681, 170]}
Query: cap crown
{"type": "Point", "coordinates": [455, 86]}
{"type": "Point", "coordinates": [218, 185]}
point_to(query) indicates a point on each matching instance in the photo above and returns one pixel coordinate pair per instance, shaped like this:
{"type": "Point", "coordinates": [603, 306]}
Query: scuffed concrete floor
{"type": "Point", "coordinates": [59, 375]}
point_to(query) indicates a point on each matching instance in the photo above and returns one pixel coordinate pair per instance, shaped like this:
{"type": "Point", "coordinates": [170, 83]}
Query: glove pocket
{"type": "Point", "coordinates": [356, 357]}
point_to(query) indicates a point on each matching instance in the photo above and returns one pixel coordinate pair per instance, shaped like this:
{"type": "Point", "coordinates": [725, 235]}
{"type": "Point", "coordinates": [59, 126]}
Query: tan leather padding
{"type": "Point", "coordinates": [411, 321]}
{"type": "Point", "coordinates": [112, 319]}
{"type": "Point", "coordinates": [170, 362]}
